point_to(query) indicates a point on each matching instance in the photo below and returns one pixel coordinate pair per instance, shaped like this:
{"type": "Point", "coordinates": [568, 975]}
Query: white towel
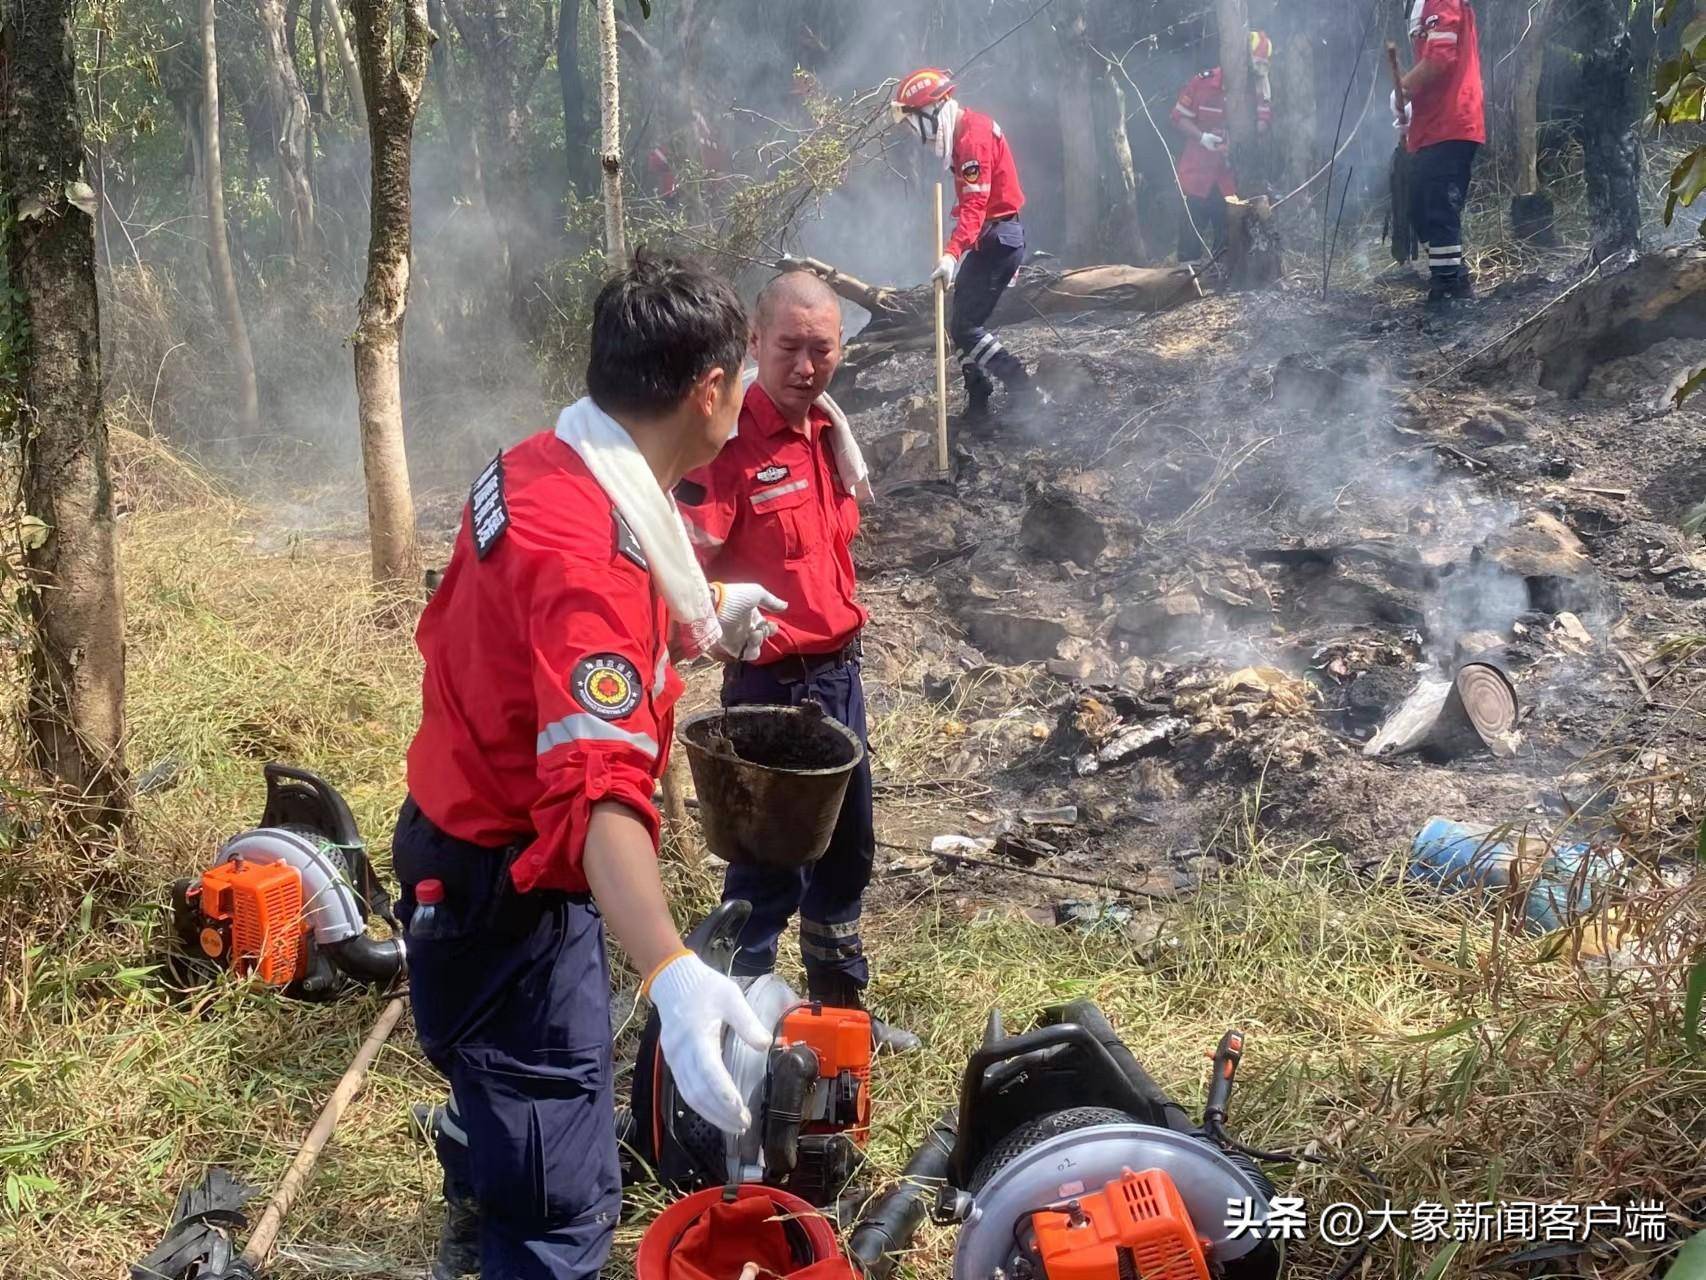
{"type": "Point", "coordinates": [621, 471]}
{"type": "Point", "coordinates": [849, 461]}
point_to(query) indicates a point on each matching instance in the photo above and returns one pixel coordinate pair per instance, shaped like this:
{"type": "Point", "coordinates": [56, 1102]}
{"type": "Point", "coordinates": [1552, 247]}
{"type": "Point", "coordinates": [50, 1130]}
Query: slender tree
{"type": "Point", "coordinates": [577, 153]}
{"type": "Point", "coordinates": [289, 103]}
{"type": "Point", "coordinates": [1234, 20]}
{"type": "Point", "coordinates": [391, 84]}
{"type": "Point", "coordinates": [75, 711]}
{"type": "Point", "coordinates": [1611, 147]}
{"type": "Point", "coordinates": [610, 112]}
{"type": "Point", "coordinates": [1077, 134]}
{"type": "Point", "coordinates": [225, 298]}
{"type": "Point", "coordinates": [346, 57]}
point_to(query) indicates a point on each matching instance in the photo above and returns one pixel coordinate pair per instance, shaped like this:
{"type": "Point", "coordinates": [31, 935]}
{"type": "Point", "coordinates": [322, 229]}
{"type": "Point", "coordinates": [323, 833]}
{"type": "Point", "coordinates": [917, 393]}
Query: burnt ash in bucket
{"type": "Point", "coordinates": [792, 743]}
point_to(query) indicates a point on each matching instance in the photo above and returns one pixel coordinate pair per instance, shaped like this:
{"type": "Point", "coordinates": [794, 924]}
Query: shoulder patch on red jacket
{"type": "Point", "coordinates": [488, 512]}
{"type": "Point", "coordinates": [606, 684]}
{"type": "Point", "coordinates": [971, 170]}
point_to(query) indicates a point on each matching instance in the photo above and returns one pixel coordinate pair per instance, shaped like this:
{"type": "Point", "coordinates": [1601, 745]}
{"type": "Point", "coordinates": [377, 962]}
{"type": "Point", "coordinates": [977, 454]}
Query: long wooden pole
{"type": "Point", "coordinates": [296, 1177]}
{"type": "Point", "coordinates": [941, 351]}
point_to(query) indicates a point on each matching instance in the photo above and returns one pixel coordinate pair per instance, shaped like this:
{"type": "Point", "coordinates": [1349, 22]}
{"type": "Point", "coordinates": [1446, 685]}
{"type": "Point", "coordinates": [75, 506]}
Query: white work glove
{"type": "Point", "coordinates": [945, 269]}
{"type": "Point", "coordinates": [745, 629]}
{"type": "Point", "coordinates": [1213, 142]}
{"type": "Point", "coordinates": [1400, 118]}
{"type": "Point", "coordinates": [695, 1004]}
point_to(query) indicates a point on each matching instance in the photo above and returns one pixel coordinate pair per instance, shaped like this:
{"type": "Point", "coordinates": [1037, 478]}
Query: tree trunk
{"type": "Point", "coordinates": [1234, 21]}
{"type": "Point", "coordinates": [290, 132]}
{"type": "Point", "coordinates": [1130, 219]}
{"type": "Point", "coordinates": [225, 296]}
{"type": "Point", "coordinates": [576, 152]}
{"type": "Point", "coordinates": [346, 56]}
{"type": "Point", "coordinates": [75, 712]}
{"type": "Point", "coordinates": [391, 86]}
{"type": "Point", "coordinates": [610, 158]}
{"type": "Point", "coordinates": [317, 32]}
{"type": "Point", "coordinates": [1611, 149]}
{"type": "Point", "coordinates": [1294, 128]}
{"type": "Point", "coordinates": [1077, 139]}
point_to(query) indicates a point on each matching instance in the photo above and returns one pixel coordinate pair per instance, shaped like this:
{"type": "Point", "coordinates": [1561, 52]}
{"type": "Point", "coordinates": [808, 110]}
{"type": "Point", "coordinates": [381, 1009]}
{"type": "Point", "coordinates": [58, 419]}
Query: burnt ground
{"type": "Point", "coordinates": [1240, 535]}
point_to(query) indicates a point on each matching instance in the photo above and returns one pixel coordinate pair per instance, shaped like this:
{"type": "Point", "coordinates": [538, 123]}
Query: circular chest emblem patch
{"type": "Point", "coordinates": [607, 685]}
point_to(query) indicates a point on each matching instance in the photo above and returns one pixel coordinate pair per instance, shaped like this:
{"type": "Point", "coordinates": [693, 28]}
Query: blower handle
{"type": "Point", "coordinates": [1226, 1060]}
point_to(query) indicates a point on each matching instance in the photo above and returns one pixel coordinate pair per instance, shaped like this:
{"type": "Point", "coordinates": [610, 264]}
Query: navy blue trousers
{"type": "Point", "coordinates": [983, 274]}
{"type": "Point", "coordinates": [828, 894]}
{"type": "Point", "coordinates": [512, 1004]}
{"type": "Point", "coordinates": [1439, 185]}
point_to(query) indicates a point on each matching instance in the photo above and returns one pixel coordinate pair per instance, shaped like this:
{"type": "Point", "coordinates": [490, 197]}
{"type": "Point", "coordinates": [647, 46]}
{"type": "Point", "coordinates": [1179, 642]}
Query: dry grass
{"type": "Point", "coordinates": [1445, 1053]}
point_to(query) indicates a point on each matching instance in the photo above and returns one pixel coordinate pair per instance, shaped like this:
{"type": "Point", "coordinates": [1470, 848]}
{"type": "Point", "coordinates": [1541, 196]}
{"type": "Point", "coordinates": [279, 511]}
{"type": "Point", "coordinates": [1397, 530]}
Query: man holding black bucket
{"type": "Point", "coordinates": [780, 505]}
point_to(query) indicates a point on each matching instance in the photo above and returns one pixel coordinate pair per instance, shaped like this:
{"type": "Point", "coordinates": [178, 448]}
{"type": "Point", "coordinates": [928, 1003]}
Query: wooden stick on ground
{"type": "Point", "coordinates": [941, 353]}
{"type": "Point", "coordinates": [296, 1177]}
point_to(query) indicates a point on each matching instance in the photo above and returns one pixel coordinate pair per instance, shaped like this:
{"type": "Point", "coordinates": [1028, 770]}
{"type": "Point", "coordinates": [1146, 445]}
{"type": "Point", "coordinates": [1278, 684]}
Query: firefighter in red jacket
{"type": "Point", "coordinates": [547, 703]}
{"type": "Point", "coordinates": [781, 505]}
{"type": "Point", "coordinates": [1442, 109]}
{"type": "Point", "coordinates": [1205, 171]}
{"type": "Point", "coordinates": [987, 246]}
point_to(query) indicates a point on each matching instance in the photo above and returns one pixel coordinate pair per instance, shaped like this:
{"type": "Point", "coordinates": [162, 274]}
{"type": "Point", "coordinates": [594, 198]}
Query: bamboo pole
{"type": "Point", "coordinates": [296, 1177]}
{"type": "Point", "coordinates": [941, 352]}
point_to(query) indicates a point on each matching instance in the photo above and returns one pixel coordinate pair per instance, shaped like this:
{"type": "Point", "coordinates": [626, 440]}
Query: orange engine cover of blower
{"type": "Point", "coordinates": [262, 904]}
{"type": "Point", "coordinates": [1137, 1214]}
{"type": "Point", "coordinates": [841, 1039]}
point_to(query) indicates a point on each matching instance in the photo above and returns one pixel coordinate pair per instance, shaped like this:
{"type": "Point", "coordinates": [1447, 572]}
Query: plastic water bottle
{"type": "Point", "coordinates": [1563, 882]}
{"type": "Point", "coordinates": [428, 920]}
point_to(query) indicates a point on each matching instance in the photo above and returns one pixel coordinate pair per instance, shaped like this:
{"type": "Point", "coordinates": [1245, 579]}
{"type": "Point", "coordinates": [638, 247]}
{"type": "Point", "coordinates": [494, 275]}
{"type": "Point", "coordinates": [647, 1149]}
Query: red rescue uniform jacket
{"type": "Point", "coordinates": [548, 683]}
{"type": "Point", "coordinates": [771, 509]}
{"type": "Point", "coordinates": [986, 180]}
{"type": "Point", "coordinates": [1202, 102]}
{"type": "Point", "coordinates": [1453, 107]}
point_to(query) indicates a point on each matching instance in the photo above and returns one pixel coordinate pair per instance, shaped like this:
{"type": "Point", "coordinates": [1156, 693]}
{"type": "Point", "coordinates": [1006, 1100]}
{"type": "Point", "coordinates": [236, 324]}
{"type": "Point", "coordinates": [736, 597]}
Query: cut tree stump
{"type": "Point", "coordinates": [1622, 313]}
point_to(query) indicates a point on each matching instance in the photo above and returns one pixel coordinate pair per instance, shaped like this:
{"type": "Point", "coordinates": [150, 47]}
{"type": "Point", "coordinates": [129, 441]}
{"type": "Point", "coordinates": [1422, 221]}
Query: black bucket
{"type": "Point", "coordinates": [770, 781]}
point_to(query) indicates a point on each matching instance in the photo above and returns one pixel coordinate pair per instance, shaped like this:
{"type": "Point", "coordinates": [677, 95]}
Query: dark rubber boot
{"type": "Point", "coordinates": [459, 1241]}
{"type": "Point", "coordinates": [841, 992]}
{"type": "Point", "coordinates": [979, 389]}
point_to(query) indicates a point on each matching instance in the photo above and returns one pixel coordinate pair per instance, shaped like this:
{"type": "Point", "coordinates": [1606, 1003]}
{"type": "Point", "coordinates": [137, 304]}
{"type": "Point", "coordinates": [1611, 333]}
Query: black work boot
{"type": "Point", "coordinates": [979, 390]}
{"type": "Point", "coordinates": [459, 1238]}
{"type": "Point", "coordinates": [840, 992]}
{"type": "Point", "coordinates": [1444, 292]}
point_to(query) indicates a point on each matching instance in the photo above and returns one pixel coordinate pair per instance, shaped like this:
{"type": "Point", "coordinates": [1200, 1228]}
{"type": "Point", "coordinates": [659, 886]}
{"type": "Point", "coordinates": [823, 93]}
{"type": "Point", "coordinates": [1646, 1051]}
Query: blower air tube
{"type": "Point", "coordinates": [368, 959]}
{"type": "Point", "coordinates": [886, 1230]}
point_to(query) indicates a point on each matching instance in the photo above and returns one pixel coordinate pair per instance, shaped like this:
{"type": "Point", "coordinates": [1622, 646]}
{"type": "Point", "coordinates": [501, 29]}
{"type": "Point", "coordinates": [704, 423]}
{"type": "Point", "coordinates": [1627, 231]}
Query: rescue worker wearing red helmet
{"type": "Point", "coordinates": [1442, 111]}
{"type": "Point", "coordinates": [1205, 169]}
{"type": "Point", "coordinates": [547, 708]}
{"type": "Point", "coordinates": [987, 245]}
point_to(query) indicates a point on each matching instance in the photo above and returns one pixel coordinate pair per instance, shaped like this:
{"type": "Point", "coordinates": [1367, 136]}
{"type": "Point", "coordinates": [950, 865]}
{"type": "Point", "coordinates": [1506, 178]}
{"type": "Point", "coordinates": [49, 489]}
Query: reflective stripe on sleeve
{"type": "Point", "coordinates": [582, 727]}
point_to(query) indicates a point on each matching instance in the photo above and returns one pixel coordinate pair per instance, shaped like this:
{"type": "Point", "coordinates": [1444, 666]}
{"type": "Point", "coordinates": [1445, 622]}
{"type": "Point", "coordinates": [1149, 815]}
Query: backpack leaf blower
{"type": "Point", "coordinates": [288, 902]}
{"type": "Point", "coordinates": [809, 1095]}
{"type": "Point", "coordinates": [1064, 1160]}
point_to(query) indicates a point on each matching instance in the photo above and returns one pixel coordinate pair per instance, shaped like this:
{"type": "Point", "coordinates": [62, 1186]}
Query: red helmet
{"type": "Point", "coordinates": [923, 89]}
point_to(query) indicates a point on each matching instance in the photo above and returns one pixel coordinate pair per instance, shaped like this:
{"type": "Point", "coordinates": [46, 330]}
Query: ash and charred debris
{"type": "Point", "coordinates": [1224, 562]}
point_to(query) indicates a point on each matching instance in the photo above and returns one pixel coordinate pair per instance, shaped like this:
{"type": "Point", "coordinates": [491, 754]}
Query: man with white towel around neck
{"type": "Point", "coordinates": [780, 505]}
{"type": "Point", "coordinates": [547, 710]}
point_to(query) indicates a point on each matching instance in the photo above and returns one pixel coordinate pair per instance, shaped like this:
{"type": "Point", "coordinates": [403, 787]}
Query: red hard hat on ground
{"type": "Point", "coordinates": [713, 1235]}
{"type": "Point", "coordinates": [923, 89]}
